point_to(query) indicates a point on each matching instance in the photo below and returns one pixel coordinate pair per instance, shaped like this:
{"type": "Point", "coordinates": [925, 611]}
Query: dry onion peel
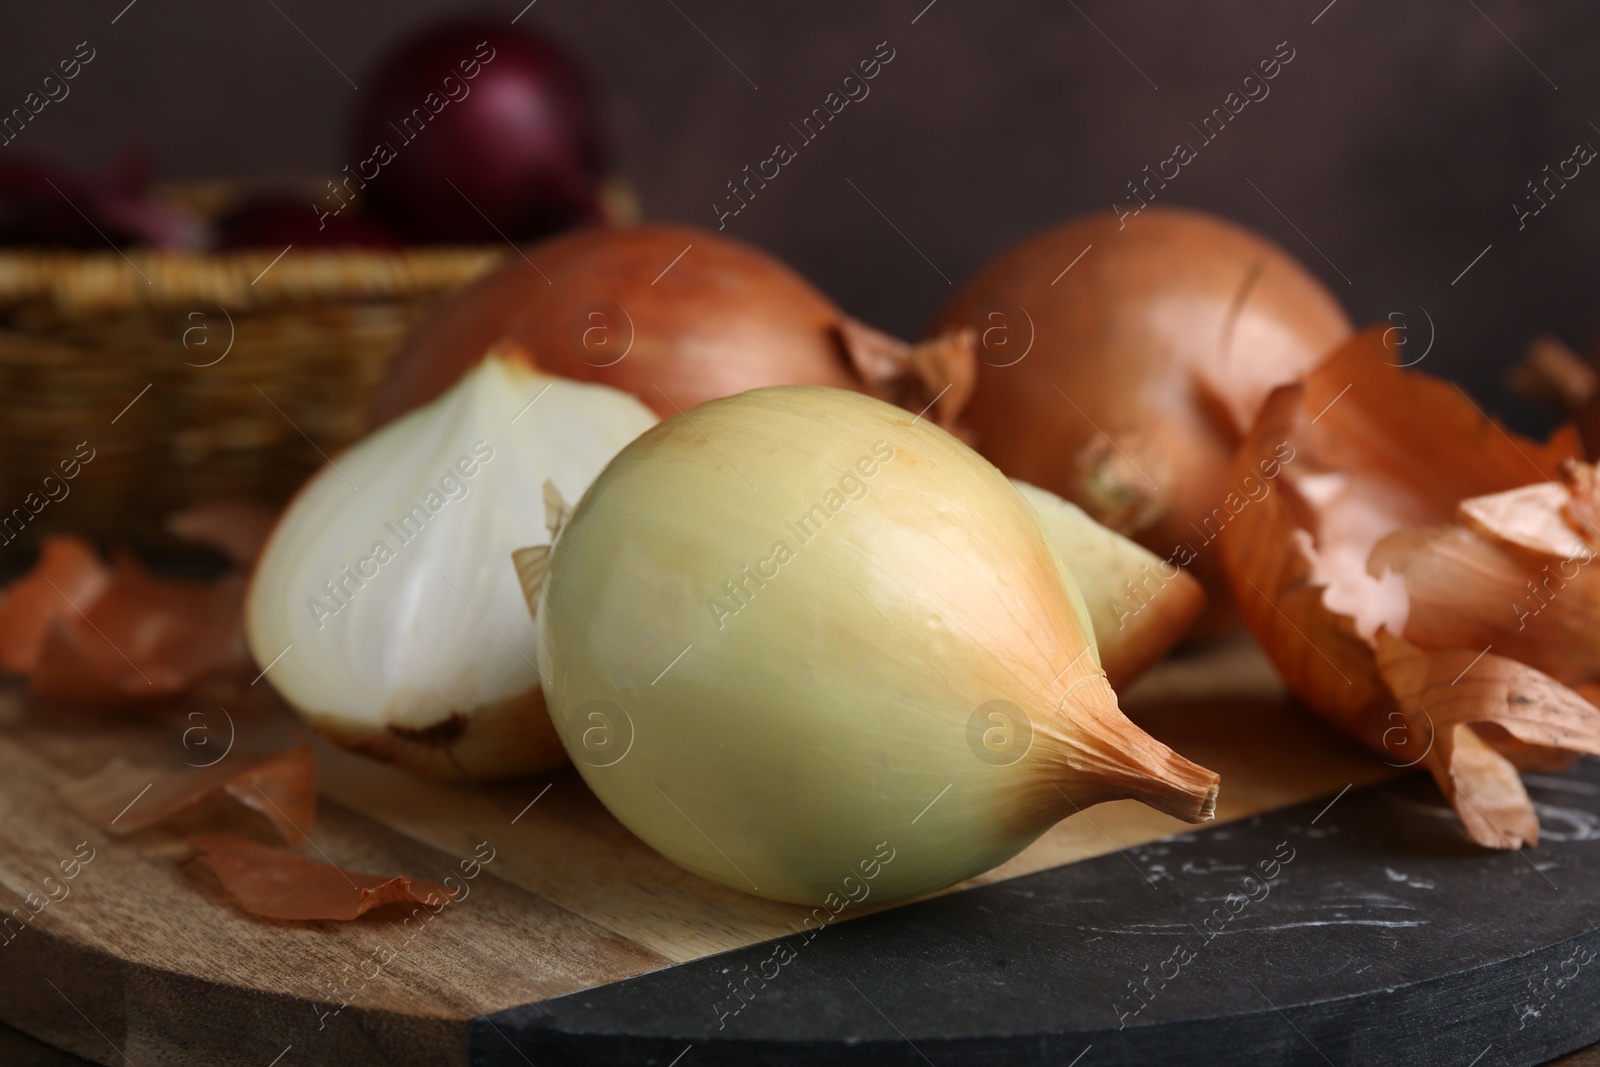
{"type": "Point", "coordinates": [1521, 583]}
{"type": "Point", "coordinates": [382, 607]}
{"type": "Point", "coordinates": [275, 883]}
{"type": "Point", "coordinates": [676, 316]}
{"type": "Point", "coordinates": [86, 633]}
{"type": "Point", "coordinates": [280, 785]}
{"type": "Point", "coordinates": [68, 572]}
{"type": "Point", "coordinates": [1552, 372]}
{"type": "Point", "coordinates": [1537, 724]}
{"type": "Point", "coordinates": [798, 630]}
{"type": "Point", "coordinates": [1390, 548]}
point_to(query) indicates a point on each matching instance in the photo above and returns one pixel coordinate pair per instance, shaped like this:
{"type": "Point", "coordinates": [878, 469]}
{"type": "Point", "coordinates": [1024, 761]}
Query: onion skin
{"type": "Point", "coordinates": [1386, 572]}
{"type": "Point", "coordinates": [619, 307]}
{"type": "Point", "coordinates": [1167, 337]}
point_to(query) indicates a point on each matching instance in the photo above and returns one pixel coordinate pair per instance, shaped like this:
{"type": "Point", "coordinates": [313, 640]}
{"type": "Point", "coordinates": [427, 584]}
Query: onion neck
{"type": "Point", "coordinates": [936, 375]}
{"type": "Point", "coordinates": [1118, 483]}
{"type": "Point", "coordinates": [1101, 755]}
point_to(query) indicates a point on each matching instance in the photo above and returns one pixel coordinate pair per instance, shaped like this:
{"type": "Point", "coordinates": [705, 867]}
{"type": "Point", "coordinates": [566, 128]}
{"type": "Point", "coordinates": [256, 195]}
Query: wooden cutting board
{"type": "Point", "coordinates": [146, 960]}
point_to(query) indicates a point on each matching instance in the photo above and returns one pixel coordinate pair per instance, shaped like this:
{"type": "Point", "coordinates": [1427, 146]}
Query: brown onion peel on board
{"type": "Point", "coordinates": [275, 883]}
{"type": "Point", "coordinates": [85, 633]}
{"type": "Point", "coordinates": [89, 634]}
{"type": "Point", "coordinates": [68, 572]}
{"type": "Point", "coordinates": [280, 785]}
{"type": "Point", "coordinates": [1125, 383]}
{"type": "Point", "coordinates": [270, 882]}
{"type": "Point", "coordinates": [1419, 576]}
{"type": "Point", "coordinates": [676, 316]}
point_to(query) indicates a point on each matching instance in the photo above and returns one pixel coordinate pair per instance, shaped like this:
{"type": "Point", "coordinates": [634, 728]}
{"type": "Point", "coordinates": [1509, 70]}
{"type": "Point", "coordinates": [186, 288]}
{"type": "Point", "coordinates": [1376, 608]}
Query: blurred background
{"type": "Point", "coordinates": [1388, 155]}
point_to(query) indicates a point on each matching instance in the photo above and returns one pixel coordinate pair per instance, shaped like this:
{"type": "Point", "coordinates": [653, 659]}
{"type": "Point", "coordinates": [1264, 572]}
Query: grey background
{"type": "Point", "coordinates": [1396, 141]}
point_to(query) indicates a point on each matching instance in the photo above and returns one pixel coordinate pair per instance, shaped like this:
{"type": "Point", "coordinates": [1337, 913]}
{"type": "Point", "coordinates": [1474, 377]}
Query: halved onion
{"type": "Point", "coordinates": [383, 608]}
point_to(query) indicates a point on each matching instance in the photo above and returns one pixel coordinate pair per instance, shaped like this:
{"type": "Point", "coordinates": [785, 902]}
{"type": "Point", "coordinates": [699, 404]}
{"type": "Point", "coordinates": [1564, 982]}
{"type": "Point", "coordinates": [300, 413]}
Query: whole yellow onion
{"type": "Point", "coordinates": [807, 644]}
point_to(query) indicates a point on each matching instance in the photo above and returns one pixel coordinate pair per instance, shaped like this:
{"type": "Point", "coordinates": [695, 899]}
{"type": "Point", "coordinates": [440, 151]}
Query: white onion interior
{"type": "Point", "coordinates": [441, 627]}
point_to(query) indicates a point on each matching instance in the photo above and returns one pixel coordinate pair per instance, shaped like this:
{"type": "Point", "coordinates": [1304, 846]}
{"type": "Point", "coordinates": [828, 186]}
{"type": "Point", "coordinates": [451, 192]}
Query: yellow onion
{"type": "Point", "coordinates": [383, 608]}
{"type": "Point", "coordinates": [1139, 604]}
{"type": "Point", "coordinates": [791, 632]}
{"type": "Point", "coordinates": [675, 315]}
{"type": "Point", "coordinates": [1421, 579]}
{"type": "Point", "coordinates": [1120, 364]}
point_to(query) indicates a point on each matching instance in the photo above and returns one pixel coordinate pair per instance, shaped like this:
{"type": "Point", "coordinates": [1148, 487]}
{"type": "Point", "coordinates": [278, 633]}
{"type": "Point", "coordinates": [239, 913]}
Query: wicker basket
{"type": "Point", "coordinates": [190, 376]}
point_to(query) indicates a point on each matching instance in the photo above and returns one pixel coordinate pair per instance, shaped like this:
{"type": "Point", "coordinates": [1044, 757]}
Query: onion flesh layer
{"type": "Point", "coordinates": [421, 651]}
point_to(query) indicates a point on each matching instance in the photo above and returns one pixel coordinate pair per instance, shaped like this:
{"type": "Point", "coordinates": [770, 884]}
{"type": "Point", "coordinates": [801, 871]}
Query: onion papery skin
{"type": "Point", "coordinates": [1362, 471]}
{"type": "Point", "coordinates": [838, 713]}
{"type": "Point", "coordinates": [429, 662]}
{"type": "Point", "coordinates": [675, 316]}
{"type": "Point", "coordinates": [1385, 574]}
{"type": "Point", "coordinates": [1126, 383]}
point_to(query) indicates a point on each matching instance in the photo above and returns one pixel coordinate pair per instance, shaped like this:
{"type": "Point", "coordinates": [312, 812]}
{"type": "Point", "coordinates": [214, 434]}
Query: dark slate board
{"type": "Point", "coordinates": [1387, 938]}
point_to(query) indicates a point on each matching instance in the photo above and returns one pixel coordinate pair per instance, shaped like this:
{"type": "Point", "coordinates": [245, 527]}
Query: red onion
{"type": "Point", "coordinates": [474, 131]}
{"type": "Point", "coordinates": [45, 205]}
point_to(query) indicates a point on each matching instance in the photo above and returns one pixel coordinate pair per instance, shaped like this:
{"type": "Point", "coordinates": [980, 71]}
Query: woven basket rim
{"type": "Point", "coordinates": [142, 279]}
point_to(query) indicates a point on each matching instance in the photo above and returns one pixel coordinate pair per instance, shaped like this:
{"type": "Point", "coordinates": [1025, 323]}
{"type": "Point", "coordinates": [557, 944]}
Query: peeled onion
{"type": "Point", "coordinates": [676, 316]}
{"type": "Point", "coordinates": [421, 653]}
{"type": "Point", "coordinates": [801, 642]}
{"type": "Point", "coordinates": [1124, 380]}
